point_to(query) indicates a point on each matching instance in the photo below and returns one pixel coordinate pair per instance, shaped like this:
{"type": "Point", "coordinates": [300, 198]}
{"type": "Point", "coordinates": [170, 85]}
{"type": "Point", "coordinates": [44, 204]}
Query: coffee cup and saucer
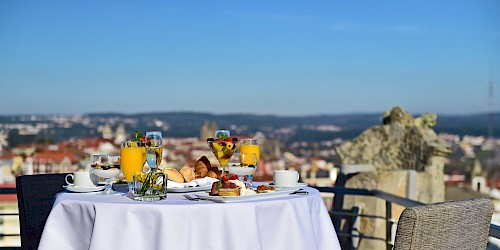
{"type": "Point", "coordinates": [81, 182]}
{"type": "Point", "coordinates": [286, 179]}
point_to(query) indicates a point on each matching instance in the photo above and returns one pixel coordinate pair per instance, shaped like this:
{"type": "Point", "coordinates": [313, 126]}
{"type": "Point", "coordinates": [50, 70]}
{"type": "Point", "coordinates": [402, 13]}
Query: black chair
{"type": "Point", "coordinates": [35, 197]}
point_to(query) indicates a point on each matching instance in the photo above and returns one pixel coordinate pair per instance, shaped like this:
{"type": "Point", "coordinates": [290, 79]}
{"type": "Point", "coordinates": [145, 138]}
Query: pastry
{"type": "Point", "coordinates": [174, 175]}
{"type": "Point", "coordinates": [201, 167]}
{"type": "Point", "coordinates": [215, 189]}
{"type": "Point", "coordinates": [216, 171]}
{"type": "Point", "coordinates": [227, 187]}
{"type": "Point", "coordinates": [212, 174]}
{"type": "Point", "coordinates": [265, 188]}
{"type": "Point", "coordinates": [187, 173]}
{"type": "Point", "coordinates": [229, 191]}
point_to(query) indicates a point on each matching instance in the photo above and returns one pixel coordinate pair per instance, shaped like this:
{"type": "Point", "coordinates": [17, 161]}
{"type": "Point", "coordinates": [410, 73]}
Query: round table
{"type": "Point", "coordinates": [93, 221]}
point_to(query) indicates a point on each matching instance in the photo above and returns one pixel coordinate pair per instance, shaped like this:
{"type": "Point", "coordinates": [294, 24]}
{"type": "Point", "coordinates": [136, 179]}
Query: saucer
{"type": "Point", "coordinates": [75, 189]}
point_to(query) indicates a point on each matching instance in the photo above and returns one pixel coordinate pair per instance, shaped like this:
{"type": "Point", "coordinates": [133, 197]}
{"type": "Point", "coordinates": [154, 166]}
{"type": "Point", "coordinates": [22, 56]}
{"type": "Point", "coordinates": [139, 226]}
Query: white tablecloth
{"type": "Point", "coordinates": [92, 221]}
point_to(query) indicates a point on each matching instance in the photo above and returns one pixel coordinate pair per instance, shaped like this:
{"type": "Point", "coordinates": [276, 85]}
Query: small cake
{"type": "Point", "coordinates": [229, 191]}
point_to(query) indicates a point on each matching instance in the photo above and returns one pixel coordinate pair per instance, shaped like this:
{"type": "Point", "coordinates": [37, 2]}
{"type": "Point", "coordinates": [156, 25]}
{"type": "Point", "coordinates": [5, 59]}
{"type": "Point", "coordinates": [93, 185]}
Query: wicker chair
{"type": "Point", "coordinates": [448, 225]}
{"type": "Point", "coordinates": [35, 197]}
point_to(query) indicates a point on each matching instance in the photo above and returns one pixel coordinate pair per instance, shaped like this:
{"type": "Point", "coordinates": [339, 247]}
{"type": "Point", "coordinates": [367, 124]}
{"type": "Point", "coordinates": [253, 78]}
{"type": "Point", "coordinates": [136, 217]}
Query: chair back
{"type": "Point", "coordinates": [35, 197]}
{"type": "Point", "coordinates": [460, 224]}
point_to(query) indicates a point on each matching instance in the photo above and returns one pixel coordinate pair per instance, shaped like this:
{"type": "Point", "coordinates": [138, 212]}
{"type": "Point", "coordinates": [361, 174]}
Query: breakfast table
{"type": "Point", "coordinates": [94, 221]}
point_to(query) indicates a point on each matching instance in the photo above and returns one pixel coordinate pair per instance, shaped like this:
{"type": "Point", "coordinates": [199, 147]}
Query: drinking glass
{"type": "Point", "coordinates": [132, 159]}
{"type": "Point", "coordinates": [250, 145]}
{"type": "Point", "coordinates": [106, 166]}
{"type": "Point", "coordinates": [223, 146]}
{"type": "Point", "coordinates": [154, 150]}
{"type": "Point", "coordinates": [243, 164]}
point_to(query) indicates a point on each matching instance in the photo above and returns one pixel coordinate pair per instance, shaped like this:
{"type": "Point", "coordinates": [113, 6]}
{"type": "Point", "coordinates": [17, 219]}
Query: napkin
{"type": "Point", "coordinates": [207, 181]}
{"type": "Point", "coordinates": [173, 184]}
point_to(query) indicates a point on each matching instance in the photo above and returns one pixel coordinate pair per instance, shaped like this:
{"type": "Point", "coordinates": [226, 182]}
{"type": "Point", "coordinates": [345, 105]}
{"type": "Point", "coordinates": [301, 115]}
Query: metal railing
{"type": "Point", "coordinates": [4, 191]}
{"type": "Point", "coordinates": [389, 199]}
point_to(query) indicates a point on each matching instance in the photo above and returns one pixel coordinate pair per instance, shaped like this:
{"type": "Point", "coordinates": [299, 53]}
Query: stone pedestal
{"type": "Point", "coordinates": [422, 186]}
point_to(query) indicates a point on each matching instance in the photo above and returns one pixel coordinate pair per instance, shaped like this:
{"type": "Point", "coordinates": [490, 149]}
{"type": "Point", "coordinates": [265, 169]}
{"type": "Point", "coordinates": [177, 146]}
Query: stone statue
{"type": "Point", "coordinates": [400, 143]}
{"type": "Point", "coordinates": [427, 120]}
{"type": "Point", "coordinates": [408, 159]}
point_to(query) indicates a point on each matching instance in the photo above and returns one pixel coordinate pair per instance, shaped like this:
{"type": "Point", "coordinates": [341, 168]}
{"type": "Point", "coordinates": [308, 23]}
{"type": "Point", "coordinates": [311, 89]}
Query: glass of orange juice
{"type": "Point", "coordinates": [250, 146]}
{"type": "Point", "coordinates": [132, 159]}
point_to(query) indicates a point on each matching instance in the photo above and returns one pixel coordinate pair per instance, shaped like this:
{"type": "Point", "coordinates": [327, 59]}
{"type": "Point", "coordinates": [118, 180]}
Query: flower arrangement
{"type": "Point", "coordinates": [150, 186]}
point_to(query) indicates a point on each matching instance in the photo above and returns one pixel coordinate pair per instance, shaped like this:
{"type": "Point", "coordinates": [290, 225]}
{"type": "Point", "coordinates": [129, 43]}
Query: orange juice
{"type": "Point", "coordinates": [132, 160]}
{"type": "Point", "coordinates": [250, 148]}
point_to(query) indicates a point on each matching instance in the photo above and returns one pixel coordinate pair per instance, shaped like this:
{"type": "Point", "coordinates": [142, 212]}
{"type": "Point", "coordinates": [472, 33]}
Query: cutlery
{"type": "Point", "coordinates": [194, 198]}
{"type": "Point", "coordinates": [191, 198]}
{"type": "Point", "coordinates": [300, 191]}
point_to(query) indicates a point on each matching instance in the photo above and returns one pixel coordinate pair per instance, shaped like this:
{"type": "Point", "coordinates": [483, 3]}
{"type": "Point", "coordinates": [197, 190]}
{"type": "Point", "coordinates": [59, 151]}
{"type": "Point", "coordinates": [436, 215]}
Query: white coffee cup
{"type": "Point", "coordinates": [80, 179]}
{"type": "Point", "coordinates": [285, 178]}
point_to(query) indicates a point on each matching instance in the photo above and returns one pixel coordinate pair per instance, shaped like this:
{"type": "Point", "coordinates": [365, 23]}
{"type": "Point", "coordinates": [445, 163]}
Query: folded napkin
{"type": "Point", "coordinates": [173, 184]}
{"type": "Point", "coordinates": [207, 181]}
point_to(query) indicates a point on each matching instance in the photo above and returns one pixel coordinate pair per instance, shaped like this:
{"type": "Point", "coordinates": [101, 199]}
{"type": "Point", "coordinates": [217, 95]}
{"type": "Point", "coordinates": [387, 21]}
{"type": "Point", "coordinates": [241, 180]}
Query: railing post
{"type": "Point", "coordinates": [388, 224]}
{"type": "Point", "coordinates": [338, 200]}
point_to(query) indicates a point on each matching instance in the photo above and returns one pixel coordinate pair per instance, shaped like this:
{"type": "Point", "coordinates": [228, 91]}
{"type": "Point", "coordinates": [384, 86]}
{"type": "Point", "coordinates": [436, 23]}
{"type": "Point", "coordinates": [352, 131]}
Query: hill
{"type": "Point", "coordinates": [188, 124]}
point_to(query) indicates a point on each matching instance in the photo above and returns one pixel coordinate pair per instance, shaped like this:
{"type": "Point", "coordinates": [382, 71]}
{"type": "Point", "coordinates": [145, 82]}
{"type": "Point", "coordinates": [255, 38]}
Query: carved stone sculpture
{"type": "Point", "coordinates": [408, 158]}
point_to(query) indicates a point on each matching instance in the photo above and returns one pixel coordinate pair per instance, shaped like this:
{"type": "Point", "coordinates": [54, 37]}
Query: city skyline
{"type": "Point", "coordinates": [259, 57]}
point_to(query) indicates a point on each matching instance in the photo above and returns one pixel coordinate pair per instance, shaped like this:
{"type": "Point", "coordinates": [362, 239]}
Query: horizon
{"type": "Point", "coordinates": [259, 57]}
{"type": "Point", "coordinates": [494, 113]}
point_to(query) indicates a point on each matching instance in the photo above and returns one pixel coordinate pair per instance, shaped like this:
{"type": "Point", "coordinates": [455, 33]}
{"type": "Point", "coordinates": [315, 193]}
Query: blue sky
{"type": "Point", "coordinates": [261, 57]}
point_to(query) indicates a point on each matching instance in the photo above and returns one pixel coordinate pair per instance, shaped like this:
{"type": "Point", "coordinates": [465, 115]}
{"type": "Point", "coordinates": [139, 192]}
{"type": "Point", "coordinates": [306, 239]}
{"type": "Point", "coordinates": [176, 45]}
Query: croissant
{"type": "Point", "coordinates": [201, 167]}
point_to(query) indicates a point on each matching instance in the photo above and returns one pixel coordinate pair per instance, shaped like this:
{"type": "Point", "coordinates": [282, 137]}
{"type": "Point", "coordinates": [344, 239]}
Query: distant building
{"type": "Point", "coordinates": [51, 162]}
{"type": "Point", "coordinates": [8, 166]}
{"type": "Point", "coordinates": [120, 134]}
{"type": "Point", "coordinates": [208, 129]}
{"type": "Point", "coordinates": [478, 178]}
{"type": "Point", "coordinates": [107, 132]}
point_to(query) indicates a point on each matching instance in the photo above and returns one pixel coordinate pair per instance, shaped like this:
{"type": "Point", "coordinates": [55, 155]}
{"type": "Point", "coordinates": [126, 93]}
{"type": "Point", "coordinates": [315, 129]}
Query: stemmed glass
{"type": "Point", "coordinates": [154, 150]}
{"type": "Point", "coordinates": [223, 147]}
{"type": "Point", "coordinates": [251, 145]}
{"type": "Point", "coordinates": [106, 166]}
{"type": "Point", "coordinates": [243, 164]}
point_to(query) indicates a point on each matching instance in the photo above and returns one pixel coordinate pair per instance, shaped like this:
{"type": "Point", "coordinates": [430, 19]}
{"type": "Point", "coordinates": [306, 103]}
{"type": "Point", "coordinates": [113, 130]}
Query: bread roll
{"type": "Point", "coordinates": [187, 173]}
{"type": "Point", "coordinates": [174, 175]}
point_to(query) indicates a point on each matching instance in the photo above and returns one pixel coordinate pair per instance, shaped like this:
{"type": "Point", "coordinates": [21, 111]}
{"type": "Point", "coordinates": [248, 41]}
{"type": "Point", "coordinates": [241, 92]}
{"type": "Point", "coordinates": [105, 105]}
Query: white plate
{"type": "Point", "coordinates": [83, 189]}
{"type": "Point", "coordinates": [257, 196]}
{"type": "Point", "coordinates": [188, 189]}
{"type": "Point", "coordinates": [299, 185]}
